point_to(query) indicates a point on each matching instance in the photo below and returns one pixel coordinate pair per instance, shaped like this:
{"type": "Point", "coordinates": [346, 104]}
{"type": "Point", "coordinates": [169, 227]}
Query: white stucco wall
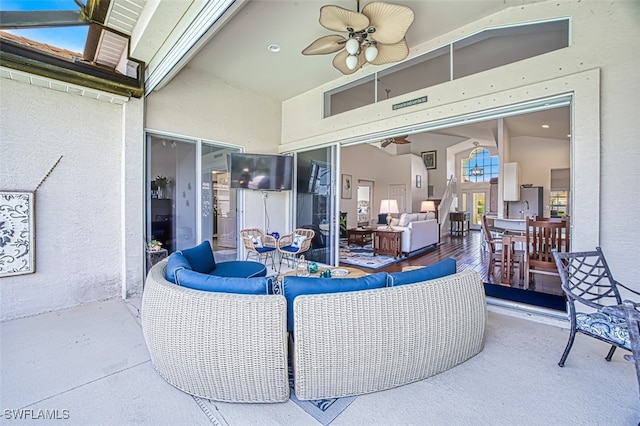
{"type": "Point", "coordinates": [86, 224]}
{"type": "Point", "coordinates": [201, 106]}
{"type": "Point", "coordinates": [598, 69]}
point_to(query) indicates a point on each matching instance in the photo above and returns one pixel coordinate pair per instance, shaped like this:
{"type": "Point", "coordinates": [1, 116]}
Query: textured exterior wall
{"type": "Point", "coordinates": [599, 69]}
{"type": "Point", "coordinates": [79, 219]}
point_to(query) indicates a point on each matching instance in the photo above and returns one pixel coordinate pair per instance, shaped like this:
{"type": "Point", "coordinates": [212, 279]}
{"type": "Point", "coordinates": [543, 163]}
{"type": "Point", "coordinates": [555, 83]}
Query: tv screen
{"type": "Point", "coordinates": [264, 172]}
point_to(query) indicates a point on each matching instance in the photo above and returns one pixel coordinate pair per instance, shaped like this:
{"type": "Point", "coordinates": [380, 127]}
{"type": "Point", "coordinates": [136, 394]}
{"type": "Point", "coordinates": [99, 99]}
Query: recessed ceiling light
{"type": "Point", "coordinates": [273, 48]}
{"type": "Point", "coordinates": [569, 135]}
{"type": "Point", "coordinates": [545, 126]}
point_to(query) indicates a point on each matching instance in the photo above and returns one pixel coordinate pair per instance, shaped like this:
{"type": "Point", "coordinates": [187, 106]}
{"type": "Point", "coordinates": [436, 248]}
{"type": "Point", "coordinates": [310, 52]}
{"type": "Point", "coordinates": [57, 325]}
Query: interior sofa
{"type": "Point", "coordinates": [419, 230]}
{"type": "Point", "coordinates": [347, 336]}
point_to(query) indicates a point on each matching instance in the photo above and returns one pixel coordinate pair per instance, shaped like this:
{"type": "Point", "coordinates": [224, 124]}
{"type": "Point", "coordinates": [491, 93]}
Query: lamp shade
{"type": "Point", "coordinates": [389, 206]}
{"type": "Point", "coordinates": [427, 206]}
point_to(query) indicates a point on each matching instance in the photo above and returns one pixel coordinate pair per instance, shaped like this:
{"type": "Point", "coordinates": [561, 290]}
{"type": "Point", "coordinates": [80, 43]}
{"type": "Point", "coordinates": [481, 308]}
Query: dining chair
{"type": "Point", "coordinates": [294, 244]}
{"type": "Point", "coordinates": [543, 236]}
{"type": "Point", "coordinates": [590, 289]}
{"type": "Point", "coordinates": [258, 244]}
{"type": "Point", "coordinates": [493, 244]}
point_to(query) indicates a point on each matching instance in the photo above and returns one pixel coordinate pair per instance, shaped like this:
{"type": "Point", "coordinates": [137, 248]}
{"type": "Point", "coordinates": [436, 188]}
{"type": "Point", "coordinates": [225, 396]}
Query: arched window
{"type": "Point", "coordinates": [480, 166]}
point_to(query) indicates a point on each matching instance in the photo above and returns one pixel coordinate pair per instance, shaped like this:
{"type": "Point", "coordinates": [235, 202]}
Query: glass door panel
{"type": "Point", "coordinates": [218, 203]}
{"type": "Point", "coordinates": [171, 217]}
{"type": "Point", "coordinates": [315, 202]}
{"type": "Point", "coordinates": [475, 202]}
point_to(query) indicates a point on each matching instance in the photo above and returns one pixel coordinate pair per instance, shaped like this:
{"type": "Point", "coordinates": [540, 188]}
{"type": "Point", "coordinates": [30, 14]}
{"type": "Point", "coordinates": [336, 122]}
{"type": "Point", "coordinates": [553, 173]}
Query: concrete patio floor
{"type": "Point", "coordinates": [89, 366]}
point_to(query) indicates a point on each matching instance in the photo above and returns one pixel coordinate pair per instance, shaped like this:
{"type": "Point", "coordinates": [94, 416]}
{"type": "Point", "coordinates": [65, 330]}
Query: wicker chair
{"type": "Point", "coordinates": [290, 249]}
{"type": "Point", "coordinates": [259, 245]}
{"type": "Point", "coordinates": [588, 283]}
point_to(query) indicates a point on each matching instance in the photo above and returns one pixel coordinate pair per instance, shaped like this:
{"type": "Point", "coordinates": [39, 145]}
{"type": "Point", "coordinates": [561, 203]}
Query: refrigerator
{"type": "Point", "coordinates": [530, 203]}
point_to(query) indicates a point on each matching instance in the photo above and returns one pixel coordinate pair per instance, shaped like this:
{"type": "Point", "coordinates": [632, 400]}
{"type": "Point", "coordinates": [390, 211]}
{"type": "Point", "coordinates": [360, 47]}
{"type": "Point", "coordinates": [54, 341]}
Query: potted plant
{"type": "Point", "coordinates": [343, 225]}
{"type": "Point", "coordinates": [154, 245]}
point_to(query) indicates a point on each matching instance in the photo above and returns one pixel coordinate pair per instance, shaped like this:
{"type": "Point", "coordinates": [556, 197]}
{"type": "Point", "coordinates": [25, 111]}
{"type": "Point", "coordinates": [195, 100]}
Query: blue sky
{"type": "Point", "coordinates": [70, 38]}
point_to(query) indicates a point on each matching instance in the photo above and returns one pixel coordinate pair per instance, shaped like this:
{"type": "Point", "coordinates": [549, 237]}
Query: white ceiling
{"type": "Point", "coordinates": [239, 53]}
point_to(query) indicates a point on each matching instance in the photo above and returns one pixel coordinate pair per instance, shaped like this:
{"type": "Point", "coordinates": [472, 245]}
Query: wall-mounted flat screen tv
{"type": "Point", "coordinates": [263, 172]}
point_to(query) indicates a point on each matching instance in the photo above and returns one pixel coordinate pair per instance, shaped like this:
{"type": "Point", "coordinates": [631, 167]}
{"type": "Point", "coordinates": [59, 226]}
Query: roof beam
{"type": "Point", "coordinates": [10, 19]}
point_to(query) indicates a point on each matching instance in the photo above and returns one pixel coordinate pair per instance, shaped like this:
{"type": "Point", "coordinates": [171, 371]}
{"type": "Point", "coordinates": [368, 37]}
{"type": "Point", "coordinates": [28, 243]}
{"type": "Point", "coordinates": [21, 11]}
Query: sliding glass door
{"type": "Point", "coordinates": [315, 203]}
{"type": "Point", "coordinates": [188, 195]}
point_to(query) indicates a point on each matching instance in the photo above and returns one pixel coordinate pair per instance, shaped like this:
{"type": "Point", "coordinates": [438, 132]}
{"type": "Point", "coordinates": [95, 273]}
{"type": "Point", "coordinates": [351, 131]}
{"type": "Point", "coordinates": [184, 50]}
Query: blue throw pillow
{"type": "Point", "coordinates": [175, 262]}
{"type": "Point", "coordinates": [201, 257]}
{"type": "Point", "coordinates": [198, 281]}
{"type": "Point", "coordinates": [382, 219]}
{"type": "Point", "coordinates": [293, 286]}
{"type": "Point", "coordinates": [437, 270]}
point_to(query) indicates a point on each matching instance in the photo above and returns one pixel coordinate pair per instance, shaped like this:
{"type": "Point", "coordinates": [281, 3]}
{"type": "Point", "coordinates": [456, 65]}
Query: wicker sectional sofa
{"type": "Point", "coordinates": [383, 338]}
{"type": "Point", "coordinates": [233, 347]}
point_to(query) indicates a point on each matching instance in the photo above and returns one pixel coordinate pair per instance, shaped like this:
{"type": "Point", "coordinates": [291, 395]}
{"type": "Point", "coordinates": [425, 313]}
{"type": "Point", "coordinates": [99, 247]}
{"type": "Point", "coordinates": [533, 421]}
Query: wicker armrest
{"type": "Point", "coordinates": [220, 346]}
{"type": "Point", "coordinates": [269, 241]}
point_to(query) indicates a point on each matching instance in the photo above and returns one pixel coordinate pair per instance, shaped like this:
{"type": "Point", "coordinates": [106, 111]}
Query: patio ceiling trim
{"type": "Point", "coordinates": [60, 86]}
{"type": "Point", "coordinates": [32, 61]}
{"type": "Point", "coordinates": [210, 19]}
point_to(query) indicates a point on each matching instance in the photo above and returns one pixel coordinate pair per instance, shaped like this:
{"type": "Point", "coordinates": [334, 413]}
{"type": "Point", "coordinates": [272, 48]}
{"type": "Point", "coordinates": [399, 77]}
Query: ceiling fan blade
{"type": "Point", "coordinates": [386, 142]}
{"type": "Point", "coordinates": [340, 62]}
{"type": "Point", "coordinates": [388, 53]}
{"type": "Point", "coordinates": [324, 45]}
{"type": "Point", "coordinates": [401, 140]}
{"type": "Point", "coordinates": [336, 18]}
{"type": "Point", "coordinates": [390, 20]}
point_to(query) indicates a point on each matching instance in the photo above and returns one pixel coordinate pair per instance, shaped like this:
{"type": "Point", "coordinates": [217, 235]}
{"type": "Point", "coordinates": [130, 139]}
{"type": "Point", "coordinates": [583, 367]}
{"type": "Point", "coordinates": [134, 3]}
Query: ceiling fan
{"type": "Point", "coordinates": [400, 140]}
{"type": "Point", "coordinates": [375, 35]}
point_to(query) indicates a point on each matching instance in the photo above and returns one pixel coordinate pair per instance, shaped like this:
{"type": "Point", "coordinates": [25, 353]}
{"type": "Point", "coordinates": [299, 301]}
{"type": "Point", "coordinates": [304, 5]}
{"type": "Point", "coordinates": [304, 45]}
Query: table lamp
{"type": "Point", "coordinates": [388, 207]}
{"type": "Point", "coordinates": [427, 206]}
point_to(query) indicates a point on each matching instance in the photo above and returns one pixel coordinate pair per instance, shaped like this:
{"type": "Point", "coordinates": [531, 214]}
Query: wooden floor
{"type": "Point", "coordinates": [468, 253]}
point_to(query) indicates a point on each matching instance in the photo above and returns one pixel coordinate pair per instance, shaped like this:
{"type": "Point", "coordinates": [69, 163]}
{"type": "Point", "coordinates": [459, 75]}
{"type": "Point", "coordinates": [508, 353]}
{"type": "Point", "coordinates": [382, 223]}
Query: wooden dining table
{"type": "Point", "coordinates": [508, 239]}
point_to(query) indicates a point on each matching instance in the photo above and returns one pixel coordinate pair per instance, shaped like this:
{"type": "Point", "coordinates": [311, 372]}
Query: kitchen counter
{"type": "Point", "coordinates": [511, 224]}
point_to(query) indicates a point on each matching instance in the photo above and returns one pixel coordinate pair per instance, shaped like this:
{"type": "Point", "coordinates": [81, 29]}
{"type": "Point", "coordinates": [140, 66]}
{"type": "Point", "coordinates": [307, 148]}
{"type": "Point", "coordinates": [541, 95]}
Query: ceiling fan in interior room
{"type": "Point", "coordinates": [376, 35]}
{"type": "Point", "coordinates": [400, 140]}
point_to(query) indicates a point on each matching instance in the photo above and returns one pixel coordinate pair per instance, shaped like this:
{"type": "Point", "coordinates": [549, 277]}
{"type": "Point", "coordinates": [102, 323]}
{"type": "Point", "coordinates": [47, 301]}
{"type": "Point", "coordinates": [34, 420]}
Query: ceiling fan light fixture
{"type": "Point", "coordinates": [371, 53]}
{"type": "Point", "coordinates": [352, 46]}
{"type": "Point", "coordinates": [352, 62]}
{"type": "Point", "coordinates": [375, 35]}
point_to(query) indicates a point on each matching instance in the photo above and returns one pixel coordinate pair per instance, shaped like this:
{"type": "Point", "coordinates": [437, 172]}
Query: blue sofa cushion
{"type": "Point", "coordinates": [293, 286]}
{"type": "Point", "coordinates": [437, 270]}
{"type": "Point", "coordinates": [175, 262]}
{"type": "Point", "coordinates": [198, 281]}
{"type": "Point", "coordinates": [201, 257]}
{"type": "Point", "coordinates": [239, 269]}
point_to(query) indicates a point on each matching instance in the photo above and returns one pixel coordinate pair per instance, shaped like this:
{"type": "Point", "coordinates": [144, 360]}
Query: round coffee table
{"type": "Point", "coordinates": [351, 272]}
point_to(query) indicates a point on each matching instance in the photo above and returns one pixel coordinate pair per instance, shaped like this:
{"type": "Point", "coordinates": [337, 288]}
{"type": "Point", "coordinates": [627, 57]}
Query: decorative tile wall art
{"type": "Point", "coordinates": [17, 233]}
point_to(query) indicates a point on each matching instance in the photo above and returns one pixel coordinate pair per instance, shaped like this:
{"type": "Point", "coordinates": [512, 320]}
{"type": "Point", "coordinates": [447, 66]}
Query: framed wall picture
{"type": "Point", "coordinates": [429, 158]}
{"type": "Point", "coordinates": [347, 186]}
{"type": "Point", "coordinates": [17, 233]}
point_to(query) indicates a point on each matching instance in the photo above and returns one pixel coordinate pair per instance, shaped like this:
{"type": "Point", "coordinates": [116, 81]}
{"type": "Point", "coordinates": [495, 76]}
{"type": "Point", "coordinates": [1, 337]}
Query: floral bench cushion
{"type": "Point", "coordinates": [602, 325]}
